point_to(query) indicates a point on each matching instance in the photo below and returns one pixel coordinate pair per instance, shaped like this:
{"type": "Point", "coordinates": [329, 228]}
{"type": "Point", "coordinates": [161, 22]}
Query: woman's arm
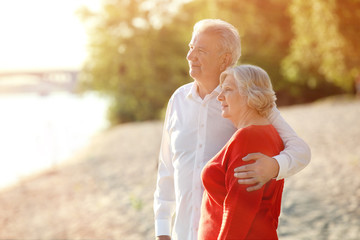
{"type": "Point", "coordinates": [240, 206]}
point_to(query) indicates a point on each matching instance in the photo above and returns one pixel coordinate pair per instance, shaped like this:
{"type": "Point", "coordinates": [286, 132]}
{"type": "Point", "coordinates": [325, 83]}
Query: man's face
{"type": "Point", "coordinates": [204, 58]}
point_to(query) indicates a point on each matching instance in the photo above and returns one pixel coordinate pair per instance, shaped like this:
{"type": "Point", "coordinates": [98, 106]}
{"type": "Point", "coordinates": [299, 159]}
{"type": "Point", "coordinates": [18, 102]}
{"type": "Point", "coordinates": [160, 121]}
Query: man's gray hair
{"type": "Point", "coordinates": [229, 36]}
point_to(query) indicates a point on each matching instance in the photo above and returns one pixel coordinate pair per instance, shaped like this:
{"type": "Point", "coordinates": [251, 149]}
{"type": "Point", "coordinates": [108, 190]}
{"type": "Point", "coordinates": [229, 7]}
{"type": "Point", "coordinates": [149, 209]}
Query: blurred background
{"type": "Point", "coordinates": [88, 80]}
{"type": "Point", "coordinates": [44, 118]}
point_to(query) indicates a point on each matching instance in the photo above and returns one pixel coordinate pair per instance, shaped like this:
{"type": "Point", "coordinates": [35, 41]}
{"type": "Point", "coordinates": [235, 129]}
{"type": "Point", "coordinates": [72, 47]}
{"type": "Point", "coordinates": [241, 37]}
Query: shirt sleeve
{"type": "Point", "coordinates": [296, 154]}
{"type": "Point", "coordinates": [164, 196]}
{"type": "Point", "coordinates": [240, 207]}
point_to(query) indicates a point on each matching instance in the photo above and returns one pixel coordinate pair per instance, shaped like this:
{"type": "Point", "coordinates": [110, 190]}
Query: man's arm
{"type": "Point", "coordinates": [164, 196]}
{"type": "Point", "coordinates": [291, 160]}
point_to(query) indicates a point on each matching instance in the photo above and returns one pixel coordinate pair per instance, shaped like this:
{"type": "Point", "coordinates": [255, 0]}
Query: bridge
{"type": "Point", "coordinates": [42, 82]}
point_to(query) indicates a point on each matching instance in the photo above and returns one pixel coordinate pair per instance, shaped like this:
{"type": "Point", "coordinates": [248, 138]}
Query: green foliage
{"type": "Point", "coordinates": [132, 61]}
{"type": "Point", "coordinates": [137, 50]}
{"type": "Point", "coordinates": [320, 51]}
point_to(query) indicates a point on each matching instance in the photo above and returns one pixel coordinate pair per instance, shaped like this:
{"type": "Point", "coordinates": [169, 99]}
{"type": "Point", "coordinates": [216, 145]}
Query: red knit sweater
{"type": "Point", "coordinates": [228, 210]}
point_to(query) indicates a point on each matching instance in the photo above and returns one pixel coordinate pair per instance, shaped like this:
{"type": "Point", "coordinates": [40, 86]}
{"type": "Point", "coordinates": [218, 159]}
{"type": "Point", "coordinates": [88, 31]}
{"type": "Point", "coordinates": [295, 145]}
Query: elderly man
{"type": "Point", "coordinates": [194, 131]}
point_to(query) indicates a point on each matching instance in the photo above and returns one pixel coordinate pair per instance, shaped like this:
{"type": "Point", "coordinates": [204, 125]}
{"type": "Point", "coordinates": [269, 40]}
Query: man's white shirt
{"type": "Point", "coordinates": [194, 131]}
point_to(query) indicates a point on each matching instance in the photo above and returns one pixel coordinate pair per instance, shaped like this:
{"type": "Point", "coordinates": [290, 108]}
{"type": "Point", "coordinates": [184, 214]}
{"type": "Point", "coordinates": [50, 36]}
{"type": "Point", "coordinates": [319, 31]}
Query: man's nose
{"type": "Point", "coordinates": [190, 55]}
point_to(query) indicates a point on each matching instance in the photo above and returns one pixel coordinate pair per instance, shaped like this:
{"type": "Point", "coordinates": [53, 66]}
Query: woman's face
{"type": "Point", "coordinates": [233, 105]}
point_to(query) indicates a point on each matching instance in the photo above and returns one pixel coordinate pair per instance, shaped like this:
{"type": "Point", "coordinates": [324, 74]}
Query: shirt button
{"type": "Point", "coordinates": [200, 145]}
{"type": "Point", "coordinates": [202, 125]}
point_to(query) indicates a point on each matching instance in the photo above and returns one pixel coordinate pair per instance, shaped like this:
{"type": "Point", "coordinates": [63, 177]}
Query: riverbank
{"type": "Point", "coordinates": [106, 190]}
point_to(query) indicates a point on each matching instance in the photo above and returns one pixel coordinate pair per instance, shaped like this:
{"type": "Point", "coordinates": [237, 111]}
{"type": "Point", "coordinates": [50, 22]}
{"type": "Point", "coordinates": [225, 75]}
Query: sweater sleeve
{"type": "Point", "coordinates": [240, 207]}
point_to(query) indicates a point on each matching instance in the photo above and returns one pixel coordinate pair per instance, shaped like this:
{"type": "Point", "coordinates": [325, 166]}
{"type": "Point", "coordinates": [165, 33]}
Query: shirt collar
{"type": "Point", "coordinates": [193, 91]}
{"type": "Point", "coordinates": [194, 94]}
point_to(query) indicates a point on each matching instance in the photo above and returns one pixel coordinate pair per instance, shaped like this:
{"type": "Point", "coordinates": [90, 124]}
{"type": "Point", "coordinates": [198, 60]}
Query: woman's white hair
{"type": "Point", "coordinates": [229, 36]}
{"type": "Point", "coordinates": [253, 82]}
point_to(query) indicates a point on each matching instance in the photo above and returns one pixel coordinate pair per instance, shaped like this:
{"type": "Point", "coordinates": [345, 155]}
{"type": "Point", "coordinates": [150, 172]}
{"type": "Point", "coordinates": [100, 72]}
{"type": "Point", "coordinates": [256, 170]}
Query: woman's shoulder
{"type": "Point", "coordinates": [252, 131]}
{"type": "Point", "coordinates": [255, 138]}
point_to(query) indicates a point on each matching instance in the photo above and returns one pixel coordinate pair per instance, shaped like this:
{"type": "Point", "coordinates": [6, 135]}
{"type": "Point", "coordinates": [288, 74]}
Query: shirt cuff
{"type": "Point", "coordinates": [162, 227]}
{"type": "Point", "coordinates": [283, 162]}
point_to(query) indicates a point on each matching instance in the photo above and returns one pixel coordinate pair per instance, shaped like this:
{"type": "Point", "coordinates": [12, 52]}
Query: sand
{"type": "Point", "coordinates": [106, 190]}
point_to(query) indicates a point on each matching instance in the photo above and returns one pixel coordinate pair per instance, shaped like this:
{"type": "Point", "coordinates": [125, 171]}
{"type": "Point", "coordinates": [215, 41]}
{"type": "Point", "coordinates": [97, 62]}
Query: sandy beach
{"type": "Point", "coordinates": [106, 190]}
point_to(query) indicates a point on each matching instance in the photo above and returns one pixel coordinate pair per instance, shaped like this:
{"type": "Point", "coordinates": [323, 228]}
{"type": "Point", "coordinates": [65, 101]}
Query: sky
{"type": "Point", "coordinates": [42, 34]}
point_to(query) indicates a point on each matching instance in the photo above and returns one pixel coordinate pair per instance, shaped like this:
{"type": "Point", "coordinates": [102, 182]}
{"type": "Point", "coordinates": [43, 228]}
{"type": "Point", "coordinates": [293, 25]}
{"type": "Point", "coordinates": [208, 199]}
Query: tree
{"type": "Point", "coordinates": [324, 44]}
{"type": "Point", "coordinates": [348, 12]}
{"type": "Point", "coordinates": [132, 60]}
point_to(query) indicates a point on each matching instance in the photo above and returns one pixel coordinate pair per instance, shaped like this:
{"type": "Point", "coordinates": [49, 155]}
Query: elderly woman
{"type": "Point", "coordinates": [228, 210]}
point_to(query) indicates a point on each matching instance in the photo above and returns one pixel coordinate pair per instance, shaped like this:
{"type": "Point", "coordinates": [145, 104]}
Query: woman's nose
{"type": "Point", "coordinates": [220, 97]}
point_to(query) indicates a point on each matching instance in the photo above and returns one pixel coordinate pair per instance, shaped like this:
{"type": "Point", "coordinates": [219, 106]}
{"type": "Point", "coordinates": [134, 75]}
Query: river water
{"type": "Point", "coordinates": [37, 132]}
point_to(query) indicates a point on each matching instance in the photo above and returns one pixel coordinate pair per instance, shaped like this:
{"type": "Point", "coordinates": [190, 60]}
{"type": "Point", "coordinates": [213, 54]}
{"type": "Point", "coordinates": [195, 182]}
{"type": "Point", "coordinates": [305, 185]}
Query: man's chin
{"type": "Point", "coordinates": [193, 73]}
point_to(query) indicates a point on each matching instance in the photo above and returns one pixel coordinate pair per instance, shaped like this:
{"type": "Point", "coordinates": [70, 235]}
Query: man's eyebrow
{"type": "Point", "coordinates": [198, 47]}
{"type": "Point", "coordinates": [201, 48]}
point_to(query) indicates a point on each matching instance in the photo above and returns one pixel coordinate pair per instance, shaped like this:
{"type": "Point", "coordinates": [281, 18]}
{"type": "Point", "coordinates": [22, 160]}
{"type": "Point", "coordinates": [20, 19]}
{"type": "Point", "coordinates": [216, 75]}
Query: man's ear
{"type": "Point", "coordinates": [225, 61]}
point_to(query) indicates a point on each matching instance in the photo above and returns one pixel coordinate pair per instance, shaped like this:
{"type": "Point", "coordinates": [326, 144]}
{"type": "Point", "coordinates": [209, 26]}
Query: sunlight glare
{"type": "Point", "coordinates": [41, 34]}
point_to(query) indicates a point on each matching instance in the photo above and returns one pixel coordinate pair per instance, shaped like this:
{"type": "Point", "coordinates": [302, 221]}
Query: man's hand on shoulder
{"type": "Point", "coordinates": [258, 173]}
{"type": "Point", "coordinates": [163, 237]}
